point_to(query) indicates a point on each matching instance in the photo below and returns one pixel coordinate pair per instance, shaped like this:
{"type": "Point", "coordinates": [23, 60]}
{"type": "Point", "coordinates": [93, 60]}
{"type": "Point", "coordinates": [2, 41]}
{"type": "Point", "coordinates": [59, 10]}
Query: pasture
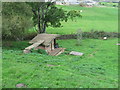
{"type": "Point", "coordinates": [98, 68]}
{"type": "Point", "coordinates": [109, 4]}
{"type": "Point", "coordinates": [94, 18]}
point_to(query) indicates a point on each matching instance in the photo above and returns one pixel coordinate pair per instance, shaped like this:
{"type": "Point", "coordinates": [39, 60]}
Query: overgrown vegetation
{"type": "Point", "coordinates": [98, 68]}
{"type": "Point", "coordinates": [16, 20]}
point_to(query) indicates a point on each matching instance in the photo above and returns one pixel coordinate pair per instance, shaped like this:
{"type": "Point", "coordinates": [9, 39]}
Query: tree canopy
{"type": "Point", "coordinates": [18, 17]}
{"type": "Point", "coordinates": [47, 14]}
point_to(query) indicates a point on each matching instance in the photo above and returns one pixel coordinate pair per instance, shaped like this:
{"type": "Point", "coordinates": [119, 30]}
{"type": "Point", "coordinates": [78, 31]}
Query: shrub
{"type": "Point", "coordinates": [41, 51]}
{"type": "Point", "coordinates": [16, 20]}
{"type": "Point", "coordinates": [114, 5]}
{"type": "Point", "coordinates": [82, 4]}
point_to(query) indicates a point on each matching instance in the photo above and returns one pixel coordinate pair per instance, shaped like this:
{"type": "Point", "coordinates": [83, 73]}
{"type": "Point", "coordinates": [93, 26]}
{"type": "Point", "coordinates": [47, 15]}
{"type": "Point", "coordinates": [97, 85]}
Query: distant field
{"type": "Point", "coordinates": [109, 4]}
{"type": "Point", "coordinates": [98, 68]}
{"type": "Point", "coordinates": [95, 18]}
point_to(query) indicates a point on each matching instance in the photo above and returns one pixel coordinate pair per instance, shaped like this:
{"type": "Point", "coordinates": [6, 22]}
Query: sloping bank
{"type": "Point", "coordinates": [94, 35]}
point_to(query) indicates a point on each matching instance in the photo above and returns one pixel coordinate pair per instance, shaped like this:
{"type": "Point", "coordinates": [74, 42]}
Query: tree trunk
{"type": "Point", "coordinates": [42, 22]}
{"type": "Point", "coordinates": [39, 29]}
{"type": "Point", "coordinates": [44, 27]}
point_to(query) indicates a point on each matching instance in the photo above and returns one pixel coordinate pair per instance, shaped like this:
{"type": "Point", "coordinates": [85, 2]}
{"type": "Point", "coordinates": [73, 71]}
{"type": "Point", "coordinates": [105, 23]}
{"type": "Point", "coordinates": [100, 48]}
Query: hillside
{"type": "Point", "coordinates": [95, 18]}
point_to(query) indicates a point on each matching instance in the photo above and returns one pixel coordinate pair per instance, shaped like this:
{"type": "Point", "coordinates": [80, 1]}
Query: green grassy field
{"type": "Point", "coordinates": [98, 68]}
{"type": "Point", "coordinates": [109, 4]}
{"type": "Point", "coordinates": [95, 18]}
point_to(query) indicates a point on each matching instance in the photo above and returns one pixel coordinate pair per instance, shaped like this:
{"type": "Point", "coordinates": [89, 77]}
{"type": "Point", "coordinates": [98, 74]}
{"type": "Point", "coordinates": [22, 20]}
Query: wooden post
{"type": "Point", "coordinates": [52, 45]}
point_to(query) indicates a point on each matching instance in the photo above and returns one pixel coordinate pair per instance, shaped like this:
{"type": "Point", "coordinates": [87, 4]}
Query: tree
{"type": "Point", "coordinates": [47, 14]}
{"type": "Point", "coordinates": [16, 20]}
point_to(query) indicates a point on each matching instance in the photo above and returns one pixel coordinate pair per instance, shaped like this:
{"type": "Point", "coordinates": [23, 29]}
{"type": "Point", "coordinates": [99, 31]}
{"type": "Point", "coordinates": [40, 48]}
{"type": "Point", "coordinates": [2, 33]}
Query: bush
{"type": "Point", "coordinates": [114, 5]}
{"type": "Point", "coordinates": [16, 20]}
{"type": "Point", "coordinates": [41, 51]}
{"type": "Point", "coordinates": [83, 4]}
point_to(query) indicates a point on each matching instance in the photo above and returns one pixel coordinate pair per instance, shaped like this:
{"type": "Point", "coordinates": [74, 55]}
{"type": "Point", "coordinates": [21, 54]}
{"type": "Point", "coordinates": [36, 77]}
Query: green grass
{"type": "Point", "coordinates": [95, 18]}
{"type": "Point", "coordinates": [109, 4]}
{"type": "Point", "coordinates": [98, 68]}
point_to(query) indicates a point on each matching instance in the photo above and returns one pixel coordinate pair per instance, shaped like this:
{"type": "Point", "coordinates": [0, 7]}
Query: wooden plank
{"type": "Point", "coordinates": [61, 51]}
{"type": "Point", "coordinates": [56, 52]}
{"type": "Point", "coordinates": [34, 45]}
{"type": "Point", "coordinates": [38, 43]}
{"type": "Point", "coordinates": [30, 47]}
{"type": "Point", "coordinates": [52, 45]}
{"type": "Point", "coordinates": [26, 51]}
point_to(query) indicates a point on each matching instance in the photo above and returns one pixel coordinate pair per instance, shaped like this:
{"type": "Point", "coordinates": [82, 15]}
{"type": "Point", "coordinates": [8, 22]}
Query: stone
{"type": "Point", "coordinates": [21, 85]}
{"type": "Point", "coordinates": [76, 53]}
{"type": "Point", "coordinates": [118, 44]}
